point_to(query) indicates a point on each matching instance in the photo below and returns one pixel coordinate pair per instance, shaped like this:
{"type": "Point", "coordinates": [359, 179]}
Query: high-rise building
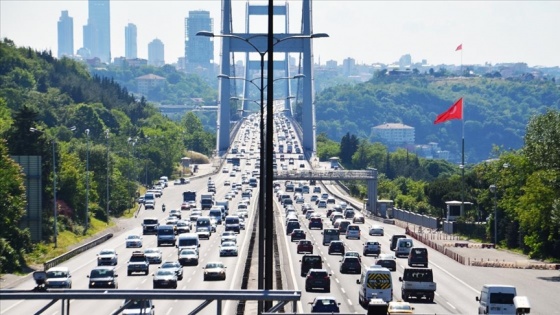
{"type": "Point", "coordinates": [199, 50]}
{"type": "Point", "coordinates": [65, 35]}
{"type": "Point", "coordinates": [156, 53]}
{"type": "Point", "coordinates": [97, 32]}
{"type": "Point", "coordinates": [130, 44]}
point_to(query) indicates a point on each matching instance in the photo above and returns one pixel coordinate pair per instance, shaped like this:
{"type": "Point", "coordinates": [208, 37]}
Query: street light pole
{"type": "Point", "coordinates": [107, 183]}
{"type": "Point", "coordinates": [265, 211]}
{"type": "Point", "coordinates": [494, 190]}
{"type": "Point", "coordinates": [87, 179]}
{"type": "Point", "coordinates": [55, 212]}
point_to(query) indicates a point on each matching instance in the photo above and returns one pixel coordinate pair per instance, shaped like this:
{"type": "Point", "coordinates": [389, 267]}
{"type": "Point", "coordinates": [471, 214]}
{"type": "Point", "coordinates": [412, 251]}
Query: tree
{"type": "Point", "coordinates": [13, 240]}
{"type": "Point", "coordinates": [542, 140]}
{"type": "Point", "coordinates": [348, 146]}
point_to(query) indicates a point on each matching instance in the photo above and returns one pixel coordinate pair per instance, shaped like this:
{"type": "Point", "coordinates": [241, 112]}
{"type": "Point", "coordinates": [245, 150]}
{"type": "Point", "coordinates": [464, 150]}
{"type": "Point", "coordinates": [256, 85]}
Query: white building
{"type": "Point", "coordinates": [395, 133]}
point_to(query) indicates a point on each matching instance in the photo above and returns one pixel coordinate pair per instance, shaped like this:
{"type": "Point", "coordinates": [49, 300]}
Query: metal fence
{"type": "Point", "coordinates": [57, 260]}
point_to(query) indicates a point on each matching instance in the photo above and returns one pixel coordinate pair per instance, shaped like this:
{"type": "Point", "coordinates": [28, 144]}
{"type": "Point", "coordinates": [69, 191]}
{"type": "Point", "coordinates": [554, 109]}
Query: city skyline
{"type": "Point", "coordinates": [367, 31]}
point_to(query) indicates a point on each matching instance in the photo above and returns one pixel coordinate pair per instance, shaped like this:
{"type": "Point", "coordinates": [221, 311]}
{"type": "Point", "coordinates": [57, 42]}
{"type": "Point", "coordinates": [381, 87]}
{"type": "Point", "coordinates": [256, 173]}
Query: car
{"type": "Point", "coordinates": [175, 213]}
{"type": "Point", "coordinates": [388, 261]}
{"type": "Point", "coordinates": [214, 271]}
{"type": "Point", "coordinates": [371, 248]}
{"type": "Point", "coordinates": [138, 262]}
{"type": "Point", "coordinates": [154, 255]}
{"type": "Point", "coordinates": [228, 248]}
{"type": "Point", "coordinates": [188, 256]}
{"type": "Point", "coordinates": [376, 230]}
{"type": "Point", "coordinates": [59, 277]}
{"type": "Point", "coordinates": [185, 205]}
{"type": "Point", "coordinates": [350, 264]}
{"type": "Point", "coordinates": [315, 223]}
{"type": "Point", "coordinates": [324, 304]}
{"type": "Point", "coordinates": [227, 183]}
{"type": "Point", "coordinates": [321, 203]}
{"type": "Point", "coordinates": [304, 246]}
{"type": "Point", "coordinates": [182, 227]}
{"type": "Point", "coordinates": [317, 189]}
{"type": "Point", "coordinates": [314, 197]}
{"type": "Point", "coordinates": [318, 279]}
{"type": "Point", "coordinates": [165, 278]}
{"type": "Point", "coordinates": [336, 247]}
{"type": "Point", "coordinates": [353, 231]}
{"type": "Point", "coordinates": [399, 307]}
{"type": "Point", "coordinates": [103, 277]}
{"type": "Point", "coordinates": [138, 307]}
{"type": "Point", "coordinates": [133, 240]}
{"type": "Point", "coordinates": [353, 253]}
{"type": "Point", "coordinates": [107, 256]}
{"type": "Point", "coordinates": [174, 266]}
{"type": "Point", "coordinates": [297, 234]}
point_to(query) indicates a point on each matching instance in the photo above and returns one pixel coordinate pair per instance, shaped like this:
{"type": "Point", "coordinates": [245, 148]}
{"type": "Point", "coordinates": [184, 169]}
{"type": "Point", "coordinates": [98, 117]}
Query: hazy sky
{"type": "Point", "coordinates": [368, 31]}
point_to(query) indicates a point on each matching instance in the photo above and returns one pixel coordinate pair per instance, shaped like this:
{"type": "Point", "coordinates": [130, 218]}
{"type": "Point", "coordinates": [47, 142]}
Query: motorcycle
{"type": "Point", "coordinates": [163, 208]}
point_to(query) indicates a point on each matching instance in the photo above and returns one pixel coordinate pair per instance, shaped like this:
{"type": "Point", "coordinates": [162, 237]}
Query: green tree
{"type": "Point", "coordinates": [14, 242]}
{"type": "Point", "coordinates": [542, 140]}
{"type": "Point", "coordinates": [348, 146]}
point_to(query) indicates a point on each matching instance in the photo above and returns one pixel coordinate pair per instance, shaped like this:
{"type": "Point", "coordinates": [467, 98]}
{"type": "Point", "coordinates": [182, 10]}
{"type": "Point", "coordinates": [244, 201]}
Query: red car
{"type": "Point", "coordinates": [185, 206]}
{"type": "Point", "coordinates": [305, 246]}
{"type": "Point", "coordinates": [297, 234]}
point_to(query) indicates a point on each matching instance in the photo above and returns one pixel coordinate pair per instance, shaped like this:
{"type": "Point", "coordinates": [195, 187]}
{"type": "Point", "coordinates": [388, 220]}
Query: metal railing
{"type": "Point", "coordinates": [305, 174]}
{"type": "Point", "coordinates": [57, 260]}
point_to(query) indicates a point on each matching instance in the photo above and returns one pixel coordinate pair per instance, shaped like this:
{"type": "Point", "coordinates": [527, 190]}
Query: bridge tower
{"type": "Point", "coordinates": [257, 43]}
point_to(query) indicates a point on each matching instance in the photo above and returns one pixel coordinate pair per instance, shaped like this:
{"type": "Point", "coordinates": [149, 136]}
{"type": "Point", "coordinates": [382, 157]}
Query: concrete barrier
{"type": "Point", "coordinates": [57, 260]}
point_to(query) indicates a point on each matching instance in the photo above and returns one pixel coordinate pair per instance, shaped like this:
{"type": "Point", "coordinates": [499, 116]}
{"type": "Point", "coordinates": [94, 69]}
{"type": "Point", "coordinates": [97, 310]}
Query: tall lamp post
{"type": "Point", "coordinates": [132, 143]}
{"type": "Point", "coordinates": [107, 183]}
{"type": "Point", "coordinates": [87, 178]}
{"type": "Point", "coordinates": [494, 190]}
{"type": "Point", "coordinates": [55, 212]}
{"type": "Point", "coordinates": [272, 41]}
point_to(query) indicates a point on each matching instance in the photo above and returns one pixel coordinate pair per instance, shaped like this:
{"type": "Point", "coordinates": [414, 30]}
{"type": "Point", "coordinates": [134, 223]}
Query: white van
{"type": "Point", "coordinates": [403, 247]}
{"type": "Point", "coordinates": [188, 240]}
{"type": "Point", "coordinates": [375, 282]}
{"type": "Point", "coordinates": [496, 299]}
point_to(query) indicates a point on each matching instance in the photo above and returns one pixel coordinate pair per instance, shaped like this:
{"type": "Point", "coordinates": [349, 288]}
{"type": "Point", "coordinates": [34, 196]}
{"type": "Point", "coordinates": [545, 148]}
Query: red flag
{"type": "Point", "coordinates": [460, 47]}
{"type": "Point", "coordinates": [454, 112]}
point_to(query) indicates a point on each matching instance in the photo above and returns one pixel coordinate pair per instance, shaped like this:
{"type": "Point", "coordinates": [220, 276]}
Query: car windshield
{"type": "Point", "coordinates": [214, 265]}
{"type": "Point", "coordinates": [99, 273]}
{"type": "Point", "coordinates": [169, 265]}
{"type": "Point", "coordinates": [163, 272]}
{"type": "Point", "coordinates": [326, 302]}
{"type": "Point", "coordinates": [401, 307]}
{"type": "Point", "coordinates": [185, 252]}
{"type": "Point", "coordinates": [56, 274]}
{"type": "Point", "coordinates": [107, 252]}
{"type": "Point", "coordinates": [151, 251]}
{"type": "Point", "coordinates": [133, 237]}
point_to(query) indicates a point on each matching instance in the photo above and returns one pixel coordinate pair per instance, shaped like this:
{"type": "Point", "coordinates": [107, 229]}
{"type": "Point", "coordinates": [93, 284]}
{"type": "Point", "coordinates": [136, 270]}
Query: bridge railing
{"type": "Point", "coordinates": [304, 174]}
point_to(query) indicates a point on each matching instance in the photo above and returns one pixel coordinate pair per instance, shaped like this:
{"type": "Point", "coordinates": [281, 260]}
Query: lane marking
{"type": "Point", "coordinates": [454, 277]}
{"type": "Point", "coordinates": [451, 305]}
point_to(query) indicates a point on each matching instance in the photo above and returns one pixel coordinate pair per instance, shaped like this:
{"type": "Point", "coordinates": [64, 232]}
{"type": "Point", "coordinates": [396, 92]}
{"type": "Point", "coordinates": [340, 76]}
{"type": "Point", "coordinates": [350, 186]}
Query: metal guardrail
{"type": "Point", "coordinates": [55, 261]}
{"type": "Point", "coordinates": [282, 297]}
{"type": "Point", "coordinates": [324, 175]}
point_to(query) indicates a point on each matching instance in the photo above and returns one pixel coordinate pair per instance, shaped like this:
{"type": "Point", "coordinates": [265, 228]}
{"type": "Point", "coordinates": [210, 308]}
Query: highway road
{"type": "Point", "coordinates": [457, 285]}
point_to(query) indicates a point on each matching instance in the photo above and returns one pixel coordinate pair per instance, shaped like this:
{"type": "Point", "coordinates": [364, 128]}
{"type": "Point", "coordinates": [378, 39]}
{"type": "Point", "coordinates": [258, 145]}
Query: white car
{"type": "Point", "coordinates": [107, 257]}
{"type": "Point", "coordinates": [133, 240]}
{"type": "Point", "coordinates": [376, 230]}
{"type": "Point", "coordinates": [228, 248]}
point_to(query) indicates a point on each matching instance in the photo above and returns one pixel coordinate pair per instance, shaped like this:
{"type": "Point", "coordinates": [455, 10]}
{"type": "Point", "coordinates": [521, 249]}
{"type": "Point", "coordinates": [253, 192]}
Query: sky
{"type": "Point", "coordinates": [367, 31]}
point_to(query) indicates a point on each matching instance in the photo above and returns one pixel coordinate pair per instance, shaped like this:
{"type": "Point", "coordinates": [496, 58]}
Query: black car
{"type": "Point", "coordinates": [315, 223]}
{"type": "Point", "coordinates": [350, 264]}
{"type": "Point", "coordinates": [336, 247]}
{"type": "Point", "coordinates": [175, 266]}
{"type": "Point", "coordinates": [387, 262]}
{"type": "Point", "coordinates": [103, 277]}
{"type": "Point", "coordinates": [297, 234]}
{"type": "Point", "coordinates": [309, 262]}
{"type": "Point", "coordinates": [318, 279]}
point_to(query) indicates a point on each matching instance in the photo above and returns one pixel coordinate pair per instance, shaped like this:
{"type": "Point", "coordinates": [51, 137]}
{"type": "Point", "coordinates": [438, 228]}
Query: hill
{"type": "Point", "coordinates": [496, 110]}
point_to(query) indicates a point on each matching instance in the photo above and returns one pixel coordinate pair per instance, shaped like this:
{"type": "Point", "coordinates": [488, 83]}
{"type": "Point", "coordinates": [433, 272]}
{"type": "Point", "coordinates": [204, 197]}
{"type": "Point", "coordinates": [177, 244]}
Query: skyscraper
{"type": "Point", "coordinates": [156, 53]}
{"type": "Point", "coordinates": [97, 32]}
{"type": "Point", "coordinates": [130, 44]}
{"type": "Point", "coordinates": [199, 50]}
{"type": "Point", "coordinates": [65, 35]}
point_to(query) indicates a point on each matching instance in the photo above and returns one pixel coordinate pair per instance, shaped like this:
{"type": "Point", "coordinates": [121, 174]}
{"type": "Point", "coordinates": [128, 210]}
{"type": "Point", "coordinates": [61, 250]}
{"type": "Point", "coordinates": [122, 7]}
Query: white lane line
{"type": "Point", "coordinates": [144, 280]}
{"type": "Point", "coordinates": [169, 310]}
{"type": "Point", "coordinates": [451, 305]}
{"type": "Point", "coordinates": [343, 291]}
{"type": "Point", "coordinates": [349, 302]}
{"type": "Point", "coordinates": [336, 279]}
{"type": "Point", "coordinates": [454, 277]}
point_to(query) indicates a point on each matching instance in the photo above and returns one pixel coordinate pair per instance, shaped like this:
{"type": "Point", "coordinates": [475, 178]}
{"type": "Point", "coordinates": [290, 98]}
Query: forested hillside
{"type": "Point", "coordinates": [496, 111]}
{"type": "Point", "coordinates": [90, 123]}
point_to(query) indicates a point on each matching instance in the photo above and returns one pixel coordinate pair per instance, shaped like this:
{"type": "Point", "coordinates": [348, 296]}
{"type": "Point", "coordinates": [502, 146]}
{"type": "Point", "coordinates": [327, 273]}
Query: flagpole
{"type": "Point", "coordinates": [462, 153]}
{"type": "Point", "coordinates": [461, 61]}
